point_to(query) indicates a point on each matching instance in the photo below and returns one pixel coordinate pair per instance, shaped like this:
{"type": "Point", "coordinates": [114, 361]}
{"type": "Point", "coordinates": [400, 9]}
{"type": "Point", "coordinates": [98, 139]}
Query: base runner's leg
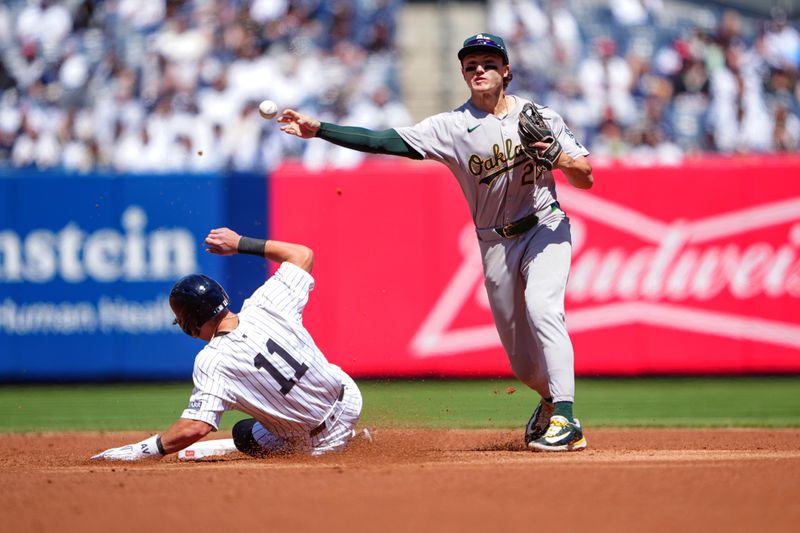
{"type": "Point", "coordinates": [243, 436]}
{"type": "Point", "coordinates": [254, 439]}
{"type": "Point", "coordinates": [337, 437]}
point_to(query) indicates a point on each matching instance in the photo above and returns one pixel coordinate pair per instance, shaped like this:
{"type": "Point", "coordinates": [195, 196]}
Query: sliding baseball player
{"type": "Point", "coordinates": [260, 361]}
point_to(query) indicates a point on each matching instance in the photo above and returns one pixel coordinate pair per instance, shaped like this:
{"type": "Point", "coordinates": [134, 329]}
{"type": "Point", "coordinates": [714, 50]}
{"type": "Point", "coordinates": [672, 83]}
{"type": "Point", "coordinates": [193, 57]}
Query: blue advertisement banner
{"type": "Point", "coordinates": [87, 263]}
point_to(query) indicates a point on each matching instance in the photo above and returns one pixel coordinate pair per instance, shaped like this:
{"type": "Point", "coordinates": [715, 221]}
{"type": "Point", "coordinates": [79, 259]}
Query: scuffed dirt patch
{"type": "Point", "coordinates": [414, 481]}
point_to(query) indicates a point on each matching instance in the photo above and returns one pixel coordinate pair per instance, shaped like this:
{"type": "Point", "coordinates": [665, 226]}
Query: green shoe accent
{"type": "Point", "coordinates": [564, 409]}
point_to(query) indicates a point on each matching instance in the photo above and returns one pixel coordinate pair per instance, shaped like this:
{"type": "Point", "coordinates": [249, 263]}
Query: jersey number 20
{"type": "Point", "coordinates": [286, 383]}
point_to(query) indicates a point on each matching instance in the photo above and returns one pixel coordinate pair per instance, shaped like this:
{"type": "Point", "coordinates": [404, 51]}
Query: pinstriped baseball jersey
{"type": "Point", "coordinates": [480, 149]}
{"type": "Point", "coordinates": [269, 366]}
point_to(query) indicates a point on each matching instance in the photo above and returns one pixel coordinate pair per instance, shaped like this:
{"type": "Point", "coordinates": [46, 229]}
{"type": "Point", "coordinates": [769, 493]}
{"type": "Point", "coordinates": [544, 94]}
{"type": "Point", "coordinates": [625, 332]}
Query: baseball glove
{"type": "Point", "coordinates": [533, 129]}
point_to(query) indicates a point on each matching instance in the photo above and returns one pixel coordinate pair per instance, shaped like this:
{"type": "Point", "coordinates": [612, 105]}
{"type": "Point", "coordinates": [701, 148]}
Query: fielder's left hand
{"type": "Point", "coordinates": [542, 147]}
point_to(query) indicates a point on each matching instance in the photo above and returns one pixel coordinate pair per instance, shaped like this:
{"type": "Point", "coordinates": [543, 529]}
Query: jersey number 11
{"type": "Point", "coordinates": [286, 384]}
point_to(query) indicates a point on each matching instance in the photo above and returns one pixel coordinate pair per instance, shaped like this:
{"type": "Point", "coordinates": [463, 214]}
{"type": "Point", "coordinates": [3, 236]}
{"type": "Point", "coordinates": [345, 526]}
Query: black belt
{"type": "Point", "coordinates": [320, 428]}
{"type": "Point", "coordinates": [522, 225]}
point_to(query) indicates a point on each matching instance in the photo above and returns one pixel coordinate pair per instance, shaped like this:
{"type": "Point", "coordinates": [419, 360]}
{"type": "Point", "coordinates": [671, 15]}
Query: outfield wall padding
{"type": "Point", "coordinates": [691, 269]}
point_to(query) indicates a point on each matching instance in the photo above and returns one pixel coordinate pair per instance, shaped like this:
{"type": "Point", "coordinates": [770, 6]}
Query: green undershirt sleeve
{"type": "Point", "coordinates": [365, 140]}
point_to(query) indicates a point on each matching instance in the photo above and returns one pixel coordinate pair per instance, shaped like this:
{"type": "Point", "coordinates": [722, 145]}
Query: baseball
{"type": "Point", "coordinates": [267, 109]}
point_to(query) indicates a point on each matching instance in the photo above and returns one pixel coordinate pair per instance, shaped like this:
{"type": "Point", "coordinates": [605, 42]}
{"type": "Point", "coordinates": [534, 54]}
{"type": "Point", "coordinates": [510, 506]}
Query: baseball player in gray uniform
{"type": "Point", "coordinates": [261, 361]}
{"type": "Point", "coordinates": [523, 233]}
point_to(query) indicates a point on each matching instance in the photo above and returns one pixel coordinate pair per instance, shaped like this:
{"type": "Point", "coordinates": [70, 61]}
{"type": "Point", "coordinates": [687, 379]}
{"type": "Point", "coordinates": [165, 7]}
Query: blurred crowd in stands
{"type": "Point", "coordinates": [167, 85]}
{"type": "Point", "coordinates": [656, 81]}
{"type": "Point", "coordinates": [162, 85]}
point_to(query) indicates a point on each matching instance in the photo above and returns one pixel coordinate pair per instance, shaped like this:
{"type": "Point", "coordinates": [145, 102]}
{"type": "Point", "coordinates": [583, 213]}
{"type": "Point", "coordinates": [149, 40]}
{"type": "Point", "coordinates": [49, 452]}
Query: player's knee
{"type": "Point", "coordinates": [243, 439]}
{"type": "Point", "coordinates": [544, 315]}
{"type": "Point", "coordinates": [528, 377]}
{"type": "Point", "coordinates": [529, 373]}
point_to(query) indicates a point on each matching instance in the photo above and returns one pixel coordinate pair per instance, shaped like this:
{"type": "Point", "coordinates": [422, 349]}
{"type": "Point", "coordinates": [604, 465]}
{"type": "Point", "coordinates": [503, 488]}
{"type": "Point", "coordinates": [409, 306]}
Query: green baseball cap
{"type": "Point", "coordinates": [483, 42]}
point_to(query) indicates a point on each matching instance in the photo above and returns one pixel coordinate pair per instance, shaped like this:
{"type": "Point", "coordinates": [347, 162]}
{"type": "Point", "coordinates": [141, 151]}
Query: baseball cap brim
{"type": "Point", "coordinates": [483, 43]}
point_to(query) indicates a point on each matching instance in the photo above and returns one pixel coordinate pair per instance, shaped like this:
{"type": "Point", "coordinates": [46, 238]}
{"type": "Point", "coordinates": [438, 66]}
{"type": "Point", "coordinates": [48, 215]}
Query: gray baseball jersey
{"type": "Point", "coordinates": [526, 276]}
{"type": "Point", "coordinates": [480, 149]}
{"type": "Point", "coordinates": [270, 368]}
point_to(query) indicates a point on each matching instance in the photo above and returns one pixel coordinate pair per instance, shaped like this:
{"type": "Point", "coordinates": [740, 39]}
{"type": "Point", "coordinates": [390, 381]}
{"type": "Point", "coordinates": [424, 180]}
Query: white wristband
{"type": "Point", "coordinates": [150, 447]}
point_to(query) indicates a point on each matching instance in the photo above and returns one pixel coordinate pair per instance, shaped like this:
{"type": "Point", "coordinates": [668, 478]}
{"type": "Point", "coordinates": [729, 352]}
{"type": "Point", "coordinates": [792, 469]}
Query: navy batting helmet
{"type": "Point", "coordinates": [195, 299]}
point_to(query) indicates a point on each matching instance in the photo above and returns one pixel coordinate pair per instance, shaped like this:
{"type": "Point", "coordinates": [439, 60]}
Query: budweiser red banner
{"type": "Point", "coordinates": [679, 270]}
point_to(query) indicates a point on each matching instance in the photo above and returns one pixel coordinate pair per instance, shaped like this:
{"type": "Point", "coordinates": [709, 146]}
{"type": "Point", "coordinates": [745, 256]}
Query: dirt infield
{"type": "Point", "coordinates": [414, 481]}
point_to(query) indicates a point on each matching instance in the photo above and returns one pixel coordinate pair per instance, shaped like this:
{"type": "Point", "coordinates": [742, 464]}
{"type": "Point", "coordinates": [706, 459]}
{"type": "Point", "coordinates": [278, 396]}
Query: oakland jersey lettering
{"type": "Point", "coordinates": [501, 185]}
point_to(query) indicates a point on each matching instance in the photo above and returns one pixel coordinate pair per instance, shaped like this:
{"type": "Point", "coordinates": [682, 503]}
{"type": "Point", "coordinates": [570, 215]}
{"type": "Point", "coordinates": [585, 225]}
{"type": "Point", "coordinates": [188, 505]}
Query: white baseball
{"type": "Point", "coordinates": [268, 109]}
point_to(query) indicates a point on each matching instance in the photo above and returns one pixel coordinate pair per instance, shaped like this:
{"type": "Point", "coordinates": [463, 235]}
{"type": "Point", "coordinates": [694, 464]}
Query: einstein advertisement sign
{"type": "Point", "coordinates": [130, 252]}
{"type": "Point", "coordinates": [86, 265]}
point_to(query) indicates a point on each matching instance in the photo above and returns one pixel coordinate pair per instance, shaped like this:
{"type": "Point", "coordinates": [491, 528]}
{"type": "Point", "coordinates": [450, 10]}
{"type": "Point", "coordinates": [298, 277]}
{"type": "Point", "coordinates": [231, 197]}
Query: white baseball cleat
{"type": "Point", "coordinates": [363, 435]}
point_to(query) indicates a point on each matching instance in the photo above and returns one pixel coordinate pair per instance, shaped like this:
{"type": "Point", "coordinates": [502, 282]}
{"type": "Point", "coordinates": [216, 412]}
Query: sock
{"type": "Point", "coordinates": [564, 409]}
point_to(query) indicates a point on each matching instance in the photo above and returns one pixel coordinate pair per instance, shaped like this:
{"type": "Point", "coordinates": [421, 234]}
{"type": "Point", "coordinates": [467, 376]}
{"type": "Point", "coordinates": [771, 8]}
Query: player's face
{"type": "Point", "coordinates": [483, 72]}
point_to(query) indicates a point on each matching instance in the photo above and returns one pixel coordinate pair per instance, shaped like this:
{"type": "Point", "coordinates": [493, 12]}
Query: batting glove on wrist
{"type": "Point", "coordinates": [146, 449]}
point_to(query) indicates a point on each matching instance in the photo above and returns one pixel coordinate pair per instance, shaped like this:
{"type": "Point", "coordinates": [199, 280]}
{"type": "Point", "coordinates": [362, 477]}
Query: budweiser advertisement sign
{"type": "Point", "coordinates": [676, 270]}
